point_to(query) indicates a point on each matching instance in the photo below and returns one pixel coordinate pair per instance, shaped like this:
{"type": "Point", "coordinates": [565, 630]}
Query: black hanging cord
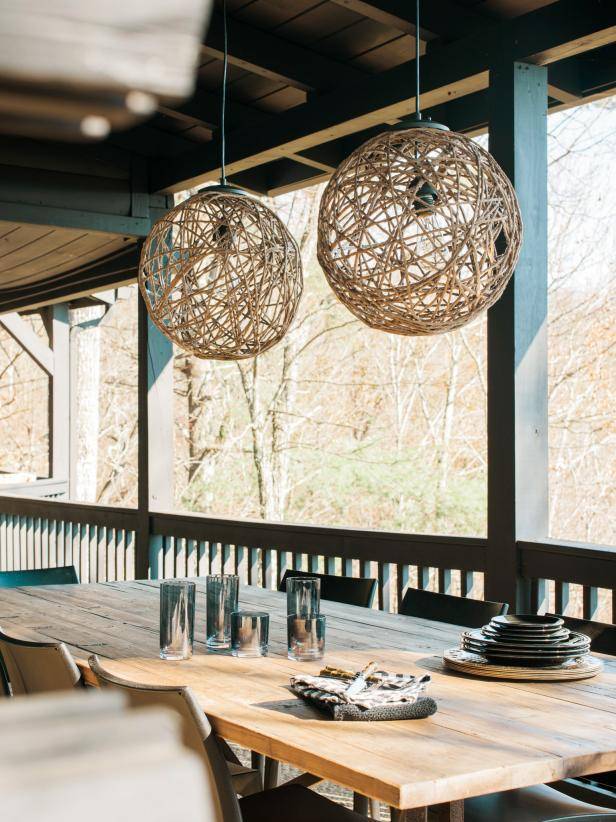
{"type": "Point", "coordinates": [223, 100]}
{"type": "Point", "coordinates": [417, 109]}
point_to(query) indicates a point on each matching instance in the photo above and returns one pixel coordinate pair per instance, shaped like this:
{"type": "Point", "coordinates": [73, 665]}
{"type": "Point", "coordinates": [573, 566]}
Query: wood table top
{"type": "Point", "coordinates": [486, 736]}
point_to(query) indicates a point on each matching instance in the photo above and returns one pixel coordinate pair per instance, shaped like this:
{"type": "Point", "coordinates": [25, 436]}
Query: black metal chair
{"type": "Point", "coordinates": [599, 789]}
{"type": "Point", "coordinates": [349, 590]}
{"type": "Point", "coordinates": [65, 575]}
{"type": "Point", "coordinates": [446, 608]}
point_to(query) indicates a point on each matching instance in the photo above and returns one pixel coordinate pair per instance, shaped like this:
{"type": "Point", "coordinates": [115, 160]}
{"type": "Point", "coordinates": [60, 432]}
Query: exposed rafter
{"type": "Point", "coordinates": [278, 59]}
{"type": "Point", "coordinates": [549, 34]}
{"type": "Point", "coordinates": [439, 18]}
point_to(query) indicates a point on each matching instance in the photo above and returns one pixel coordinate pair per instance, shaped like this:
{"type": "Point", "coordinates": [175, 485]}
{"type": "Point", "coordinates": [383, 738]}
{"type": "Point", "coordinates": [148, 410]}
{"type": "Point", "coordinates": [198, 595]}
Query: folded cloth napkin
{"type": "Point", "coordinates": [381, 688]}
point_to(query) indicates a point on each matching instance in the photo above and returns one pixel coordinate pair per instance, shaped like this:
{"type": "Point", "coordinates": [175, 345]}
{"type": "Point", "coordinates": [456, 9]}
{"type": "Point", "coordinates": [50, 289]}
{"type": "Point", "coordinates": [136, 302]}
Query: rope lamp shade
{"type": "Point", "coordinates": [419, 230]}
{"type": "Point", "coordinates": [221, 275]}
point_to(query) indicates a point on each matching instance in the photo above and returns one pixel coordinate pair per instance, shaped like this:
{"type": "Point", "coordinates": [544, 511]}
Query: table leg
{"type": "Point", "coordinates": [360, 803]}
{"type": "Point", "coordinates": [413, 815]}
{"type": "Point", "coordinates": [271, 773]}
{"type": "Point", "coordinates": [445, 812]}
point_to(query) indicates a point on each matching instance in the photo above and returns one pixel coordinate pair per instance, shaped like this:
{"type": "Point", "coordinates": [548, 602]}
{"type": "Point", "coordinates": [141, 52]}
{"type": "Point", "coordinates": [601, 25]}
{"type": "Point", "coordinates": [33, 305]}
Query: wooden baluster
{"type": "Point", "coordinates": [561, 597]}
{"type": "Point", "coordinates": [330, 565]}
{"type": "Point", "coordinates": [253, 567]}
{"type": "Point", "coordinates": [385, 586]}
{"type": "Point", "coordinates": [282, 565]}
{"type": "Point", "coordinates": [129, 554]}
{"type": "Point", "coordinates": [423, 577]}
{"type": "Point", "coordinates": [191, 558]}
{"type": "Point", "coordinates": [402, 581]}
{"type": "Point", "coordinates": [539, 602]}
{"type": "Point", "coordinates": [590, 601]}
{"type": "Point", "coordinates": [101, 553]}
{"type": "Point", "coordinates": [111, 555]}
{"type": "Point", "coordinates": [444, 580]}
{"type": "Point", "coordinates": [467, 583]}
{"type": "Point", "coordinates": [202, 558]}
{"type": "Point", "coordinates": [226, 559]}
{"type": "Point", "coordinates": [348, 569]}
{"type": "Point", "coordinates": [313, 563]}
{"type": "Point", "coordinates": [241, 563]}
{"type": "Point", "coordinates": [267, 569]}
{"type": "Point", "coordinates": [31, 559]}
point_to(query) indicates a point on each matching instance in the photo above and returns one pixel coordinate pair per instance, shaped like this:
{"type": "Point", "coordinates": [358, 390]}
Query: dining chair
{"type": "Point", "coordinates": [275, 805]}
{"type": "Point", "coordinates": [37, 667]}
{"type": "Point", "coordinates": [599, 788]}
{"type": "Point", "coordinates": [447, 608]}
{"type": "Point", "coordinates": [65, 575]}
{"type": "Point", "coordinates": [196, 729]}
{"type": "Point", "coordinates": [349, 590]}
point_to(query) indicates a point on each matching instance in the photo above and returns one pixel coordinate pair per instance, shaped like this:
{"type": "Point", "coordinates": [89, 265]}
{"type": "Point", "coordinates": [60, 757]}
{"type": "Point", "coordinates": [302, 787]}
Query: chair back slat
{"type": "Point", "coordinates": [349, 590]}
{"type": "Point", "coordinates": [448, 608]}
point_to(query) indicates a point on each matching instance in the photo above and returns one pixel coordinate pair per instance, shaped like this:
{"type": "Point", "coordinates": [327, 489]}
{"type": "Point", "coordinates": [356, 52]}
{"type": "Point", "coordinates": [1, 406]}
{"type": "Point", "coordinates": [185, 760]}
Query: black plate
{"type": "Point", "coordinates": [525, 622]}
{"type": "Point", "coordinates": [501, 636]}
{"type": "Point", "coordinates": [519, 659]}
{"type": "Point", "coordinates": [572, 642]}
{"type": "Point", "coordinates": [469, 645]}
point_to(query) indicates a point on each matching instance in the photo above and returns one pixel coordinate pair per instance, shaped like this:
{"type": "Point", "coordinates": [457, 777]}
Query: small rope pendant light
{"type": "Point", "coordinates": [220, 273]}
{"type": "Point", "coordinates": [419, 228]}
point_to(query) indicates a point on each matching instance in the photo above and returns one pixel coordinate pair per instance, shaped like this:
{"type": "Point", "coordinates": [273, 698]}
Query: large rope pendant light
{"type": "Point", "coordinates": [220, 273]}
{"type": "Point", "coordinates": [419, 228]}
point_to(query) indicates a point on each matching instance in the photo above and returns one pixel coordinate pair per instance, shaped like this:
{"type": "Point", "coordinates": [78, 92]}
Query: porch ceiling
{"type": "Point", "coordinates": [308, 82]}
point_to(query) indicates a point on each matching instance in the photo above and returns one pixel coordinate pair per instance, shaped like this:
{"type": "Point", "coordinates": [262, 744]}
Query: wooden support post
{"type": "Point", "coordinates": [517, 339]}
{"type": "Point", "coordinates": [155, 431]}
{"type": "Point", "coordinates": [60, 394]}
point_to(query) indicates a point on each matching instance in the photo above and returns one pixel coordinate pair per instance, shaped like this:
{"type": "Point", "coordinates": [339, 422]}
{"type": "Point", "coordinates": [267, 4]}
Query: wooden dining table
{"type": "Point", "coordinates": [486, 736]}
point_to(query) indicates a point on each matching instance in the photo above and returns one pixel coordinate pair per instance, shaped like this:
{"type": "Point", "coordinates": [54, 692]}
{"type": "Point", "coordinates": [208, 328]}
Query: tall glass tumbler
{"type": "Point", "coordinates": [177, 619]}
{"type": "Point", "coordinates": [303, 596]}
{"type": "Point", "coordinates": [221, 592]}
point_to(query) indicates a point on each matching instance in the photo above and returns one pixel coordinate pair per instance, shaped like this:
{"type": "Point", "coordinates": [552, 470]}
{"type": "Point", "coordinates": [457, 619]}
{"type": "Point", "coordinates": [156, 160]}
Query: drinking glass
{"type": "Point", "coordinates": [303, 596]}
{"type": "Point", "coordinates": [177, 619]}
{"type": "Point", "coordinates": [249, 633]}
{"type": "Point", "coordinates": [221, 593]}
{"type": "Point", "coordinates": [306, 636]}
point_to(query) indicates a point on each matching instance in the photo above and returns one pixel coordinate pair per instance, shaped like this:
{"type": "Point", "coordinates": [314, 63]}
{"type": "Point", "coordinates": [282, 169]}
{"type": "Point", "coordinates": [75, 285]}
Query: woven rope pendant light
{"type": "Point", "coordinates": [220, 273]}
{"type": "Point", "coordinates": [419, 228]}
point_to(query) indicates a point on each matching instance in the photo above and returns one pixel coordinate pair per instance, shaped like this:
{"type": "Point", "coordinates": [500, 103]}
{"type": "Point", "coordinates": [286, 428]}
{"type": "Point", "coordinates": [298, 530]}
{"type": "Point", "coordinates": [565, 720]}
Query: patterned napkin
{"type": "Point", "coordinates": [379, 688]}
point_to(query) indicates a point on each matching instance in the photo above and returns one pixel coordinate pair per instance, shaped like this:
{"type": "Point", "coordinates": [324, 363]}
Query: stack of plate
{"type": "Point", "coordinates": [537, 646]}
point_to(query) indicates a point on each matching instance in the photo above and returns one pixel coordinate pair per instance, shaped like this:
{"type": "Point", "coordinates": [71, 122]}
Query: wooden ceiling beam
{"type": "Point", "coordinates": [439, 18]}
{"type": "Point", "coordinates": [546, 35]}
{"type": "Point", "coordinates": [268, 55]}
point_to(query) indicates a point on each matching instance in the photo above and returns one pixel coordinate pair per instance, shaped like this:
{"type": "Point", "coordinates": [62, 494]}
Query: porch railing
{"type": "Point", "coordinates": [101, 542]}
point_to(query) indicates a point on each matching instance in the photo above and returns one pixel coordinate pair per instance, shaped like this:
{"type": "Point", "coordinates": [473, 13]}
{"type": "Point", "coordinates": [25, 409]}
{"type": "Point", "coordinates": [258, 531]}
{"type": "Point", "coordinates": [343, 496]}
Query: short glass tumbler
{"type": "Point", "coordinates": [177, 619]}
{"type": "Point", "coordinates": [221, 592]}
{"type": "Point", "coordinates": [303, 595]}
{"type": "Point", "coordinates": [306, 636]}
{"type": "Point", "coordinates": [249, 633]}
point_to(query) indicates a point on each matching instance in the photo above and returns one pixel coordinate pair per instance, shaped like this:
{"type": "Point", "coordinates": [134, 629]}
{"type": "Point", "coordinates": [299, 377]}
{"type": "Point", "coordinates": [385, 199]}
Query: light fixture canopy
{"type": "Point", "coordinates": [220, 273]}
{"type": "Point", "coordinates": [419, 228]}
